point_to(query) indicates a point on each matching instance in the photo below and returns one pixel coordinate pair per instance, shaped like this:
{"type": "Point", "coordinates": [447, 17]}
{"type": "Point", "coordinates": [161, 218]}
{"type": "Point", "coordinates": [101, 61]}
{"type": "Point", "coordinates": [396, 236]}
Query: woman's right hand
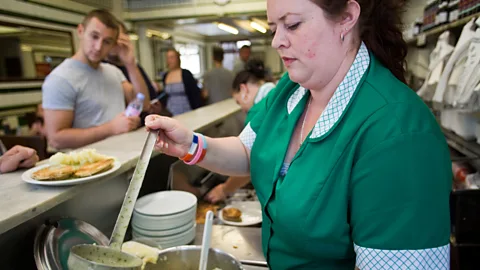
{"type": "Point", "coordinates": [173, 138]}
{"type": "Point", "coordinates": [216, 194]}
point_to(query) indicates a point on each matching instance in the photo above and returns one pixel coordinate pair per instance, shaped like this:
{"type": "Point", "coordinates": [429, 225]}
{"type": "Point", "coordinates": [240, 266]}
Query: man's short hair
{"type": "Point", "coordinates": [218, 54]}
{"type": "Point", "coordinates": [103, 16]}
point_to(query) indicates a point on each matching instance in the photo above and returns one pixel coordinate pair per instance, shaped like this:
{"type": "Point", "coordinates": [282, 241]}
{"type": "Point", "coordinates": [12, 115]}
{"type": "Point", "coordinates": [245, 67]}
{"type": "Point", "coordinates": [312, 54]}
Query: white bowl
{"type": "Point", "coordinates": [163, 222]}
{"type": "Point", "coordinates": [171, 241]}
{"type": "Point", "coordinates": [165, 203]}
{"type": "Point", "coordinates": [162, 233]}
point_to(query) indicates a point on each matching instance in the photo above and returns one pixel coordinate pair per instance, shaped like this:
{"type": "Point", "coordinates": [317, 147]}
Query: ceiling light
{"type": "Point", "coordinates": [26, 48]}
{"type": "Point", "coordinates": [258, 27]}
{"type": "Point", "coordinates": [228, 28]}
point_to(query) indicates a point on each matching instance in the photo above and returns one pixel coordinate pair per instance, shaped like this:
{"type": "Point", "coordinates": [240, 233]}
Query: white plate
{"type": "Point", "coordinates": [162, 233]}
{"type": "Point", "coordinates": [163, 222]}
{"type": "Point", "coordinates": [180, 239]}
{"type": "Point", "coordinates": [27, 176]}
{"type": "Point", "coordinates": [251, 213]}
{"type": "Point", "coordinates": [165, 203]}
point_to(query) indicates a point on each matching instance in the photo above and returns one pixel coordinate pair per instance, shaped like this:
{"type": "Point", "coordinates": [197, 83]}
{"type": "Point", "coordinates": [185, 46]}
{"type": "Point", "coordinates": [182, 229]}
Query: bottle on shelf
{"type": "Point", "coordinates": [453, 10]}
{"type": "Point", "coordinates": [135, 107]}
{"type": "Point", "coordinates": [442, 13]}
{"type": "Point", "coordinates": [417, 26]}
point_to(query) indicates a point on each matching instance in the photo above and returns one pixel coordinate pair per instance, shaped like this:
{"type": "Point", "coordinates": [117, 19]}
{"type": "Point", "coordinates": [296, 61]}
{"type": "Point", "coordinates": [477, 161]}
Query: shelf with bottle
{"type": "Point", "coordinates": [436, 31]}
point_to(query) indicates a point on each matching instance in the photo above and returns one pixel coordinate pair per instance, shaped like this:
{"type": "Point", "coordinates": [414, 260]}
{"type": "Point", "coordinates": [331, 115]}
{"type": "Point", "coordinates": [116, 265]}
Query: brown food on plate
{"type": "Point", "coordinates": [232, 214]}
{"type": "Point", "coordinates": [57, 172]}
{"type": "Point", "coordinates": [94, 168]}
{"type": "Point", "coordinates": [202, 209]}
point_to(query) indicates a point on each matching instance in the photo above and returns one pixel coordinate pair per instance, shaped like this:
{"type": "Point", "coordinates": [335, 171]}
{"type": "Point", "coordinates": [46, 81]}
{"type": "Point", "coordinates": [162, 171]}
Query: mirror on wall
{"type": "Point", "coordinates": [28, 53]}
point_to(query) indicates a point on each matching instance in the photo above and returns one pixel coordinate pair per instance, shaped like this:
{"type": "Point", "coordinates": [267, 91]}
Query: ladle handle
{"type": "Point", "coordinates": [118, 234]}
{"type": "Point", "coordinates": [207, 237]}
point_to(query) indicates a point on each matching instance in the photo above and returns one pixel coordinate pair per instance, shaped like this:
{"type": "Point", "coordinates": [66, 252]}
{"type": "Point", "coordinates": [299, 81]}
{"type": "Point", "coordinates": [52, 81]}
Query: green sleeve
{"type": "Point", "coordinates": [399, 202]}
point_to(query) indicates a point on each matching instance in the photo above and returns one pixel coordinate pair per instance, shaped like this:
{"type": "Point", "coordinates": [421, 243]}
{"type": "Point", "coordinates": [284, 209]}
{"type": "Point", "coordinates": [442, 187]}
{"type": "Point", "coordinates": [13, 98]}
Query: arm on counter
{"type": "Point", "coordinates": [18, 157]}
{"type": "Point", "coordinates": [61, 135]}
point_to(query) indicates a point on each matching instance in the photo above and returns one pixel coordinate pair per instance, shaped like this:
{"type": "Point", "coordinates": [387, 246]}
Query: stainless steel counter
{"type": "Point", "coordinates": [244, 243]}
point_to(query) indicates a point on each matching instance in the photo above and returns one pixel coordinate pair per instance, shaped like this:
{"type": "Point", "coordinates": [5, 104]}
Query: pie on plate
{"type": "Point", "coordinates": [232, 214]}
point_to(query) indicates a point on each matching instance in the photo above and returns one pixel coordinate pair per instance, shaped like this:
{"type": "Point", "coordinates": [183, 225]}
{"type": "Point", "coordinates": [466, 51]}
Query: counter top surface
{"type": "Point", "coordinates": [244, 243]}
{"type": "Point", "coordinates": [21, 201]}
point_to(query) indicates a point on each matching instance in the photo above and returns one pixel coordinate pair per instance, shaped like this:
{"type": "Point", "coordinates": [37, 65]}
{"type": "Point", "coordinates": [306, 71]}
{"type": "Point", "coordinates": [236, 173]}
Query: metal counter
{"type": "Point", "coordinates": [244, 243]}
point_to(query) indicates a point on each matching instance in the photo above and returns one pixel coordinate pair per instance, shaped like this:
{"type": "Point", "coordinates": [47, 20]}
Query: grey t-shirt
{"type": "Point", "coordinates": [95, 95]}
{"type": "Point", "coordinates": [218, 81]}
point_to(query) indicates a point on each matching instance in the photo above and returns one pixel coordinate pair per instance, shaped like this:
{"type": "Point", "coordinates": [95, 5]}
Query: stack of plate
{"type": "Point", "coordinates": [166, 217]}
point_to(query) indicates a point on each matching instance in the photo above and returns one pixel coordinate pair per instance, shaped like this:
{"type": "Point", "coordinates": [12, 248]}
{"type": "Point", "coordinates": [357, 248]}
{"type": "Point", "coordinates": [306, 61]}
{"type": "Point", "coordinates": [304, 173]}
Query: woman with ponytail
{"type": "Point", "coordinates": [249, 89]}
{"type": "Point", "coordinates": [349, 165]}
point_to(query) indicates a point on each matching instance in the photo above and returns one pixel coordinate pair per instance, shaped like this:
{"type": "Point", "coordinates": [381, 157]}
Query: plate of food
{"type": "Point", "coordinates": [241, 213]}
{"type": "Point", "coordinates": [72, 169]}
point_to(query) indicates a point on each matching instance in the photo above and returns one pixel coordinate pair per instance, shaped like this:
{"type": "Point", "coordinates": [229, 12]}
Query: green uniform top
{"type": "Point", "coordinates": [369, 186]}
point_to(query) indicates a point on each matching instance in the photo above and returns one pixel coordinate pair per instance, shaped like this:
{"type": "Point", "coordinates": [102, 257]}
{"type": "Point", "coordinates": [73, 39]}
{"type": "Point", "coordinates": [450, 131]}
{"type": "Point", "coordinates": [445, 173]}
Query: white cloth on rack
{"type": "Point", "coordinates": [438, 59]}
{"type": "Point", "coordinates": [446, 88]}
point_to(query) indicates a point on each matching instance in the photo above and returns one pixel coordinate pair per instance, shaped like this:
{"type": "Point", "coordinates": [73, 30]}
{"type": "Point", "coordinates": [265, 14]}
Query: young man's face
{"type": "Point", "coordinates": [96, 40]}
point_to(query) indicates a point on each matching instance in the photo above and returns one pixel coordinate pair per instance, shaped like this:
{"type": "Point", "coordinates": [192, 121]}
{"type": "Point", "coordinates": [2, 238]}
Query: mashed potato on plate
{"type": "Point", "coordinates": [79, 158]}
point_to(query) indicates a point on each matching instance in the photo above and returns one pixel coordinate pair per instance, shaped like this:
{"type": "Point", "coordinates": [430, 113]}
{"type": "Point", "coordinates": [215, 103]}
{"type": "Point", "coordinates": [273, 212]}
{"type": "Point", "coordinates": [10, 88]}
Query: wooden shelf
{"type": "Point", "coordinates": [442, 28]}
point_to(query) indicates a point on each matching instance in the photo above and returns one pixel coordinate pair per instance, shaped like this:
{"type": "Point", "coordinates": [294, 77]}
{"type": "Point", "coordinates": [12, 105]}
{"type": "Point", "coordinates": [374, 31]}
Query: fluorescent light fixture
{"type": "Point", "coordinates": [163, 35]}
{"type": "Point", "coordinates": [258, 27]}
{"type": "Point", "coordinates": [26, 48]}
{"type": "Point", "coordinates": [228, 28]}
{"type": "Point", "coordinates": [133, 36]}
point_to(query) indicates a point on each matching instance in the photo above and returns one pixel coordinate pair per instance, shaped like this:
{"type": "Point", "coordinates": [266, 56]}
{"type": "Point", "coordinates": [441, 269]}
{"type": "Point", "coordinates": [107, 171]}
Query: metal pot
{"type": "Point", "coordinates": [94, 257]}
{"type": "Point", "coordinates": [188, 258]}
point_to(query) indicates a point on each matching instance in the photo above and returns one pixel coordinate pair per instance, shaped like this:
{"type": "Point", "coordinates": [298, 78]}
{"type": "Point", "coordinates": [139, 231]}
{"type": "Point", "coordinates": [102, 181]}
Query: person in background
{"type": "Point", "coordinates": [350, 166]}
{"type": "Point", "coordinates": [83, 98]}
{"type": "Point", "coordinates": [217, 82]}
{"type": "Point", "coordinates": [241, 62]}
{"type": "Point", "coordinates": [249, 89]}
{"type": "Point", "coordinates": [114, 59]}
{"type": "Point", "coordinates": [180, 85]}
{"type": "Point", "coordinates": [17, 157]}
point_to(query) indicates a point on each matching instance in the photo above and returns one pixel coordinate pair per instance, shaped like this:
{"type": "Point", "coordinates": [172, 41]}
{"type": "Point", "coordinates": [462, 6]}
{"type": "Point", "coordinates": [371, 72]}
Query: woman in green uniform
{"type": "Point", "coordinates": [249, 89]}
{"type": "Point", "coordinates": [349, 165]}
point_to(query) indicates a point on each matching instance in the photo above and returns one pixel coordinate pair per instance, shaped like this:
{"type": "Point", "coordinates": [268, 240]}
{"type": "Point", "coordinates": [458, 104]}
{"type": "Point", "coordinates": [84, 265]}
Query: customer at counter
{"type": "Point", "coordinates": [249, 89]}
{"type": "Point", "coordinates": [349, 165]}
{"type": "Point", "coordinates": [17, 157]}
{"type": "Point", "coordinates": [180, 85]}
{"type": "Point", "coordinates": [83, 98]}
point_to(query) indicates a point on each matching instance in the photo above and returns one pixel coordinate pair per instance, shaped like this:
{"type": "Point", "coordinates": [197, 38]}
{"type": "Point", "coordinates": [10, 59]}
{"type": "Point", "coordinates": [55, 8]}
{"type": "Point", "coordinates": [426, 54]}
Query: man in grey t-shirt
{"type": "Point", "coordinates": [84, 99]}
{"type": "Point", "coordinates": [218, 81]}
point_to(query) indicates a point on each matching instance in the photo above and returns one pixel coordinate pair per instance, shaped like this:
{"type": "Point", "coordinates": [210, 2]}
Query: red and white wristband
{"type": "Point", "coordinates": [197, 150]}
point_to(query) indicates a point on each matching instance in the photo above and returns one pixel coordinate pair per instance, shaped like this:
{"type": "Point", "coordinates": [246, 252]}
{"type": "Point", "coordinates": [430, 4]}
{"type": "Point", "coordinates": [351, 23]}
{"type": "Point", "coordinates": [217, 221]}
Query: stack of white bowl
{"type": "Point", "coordinates": [166, 217]}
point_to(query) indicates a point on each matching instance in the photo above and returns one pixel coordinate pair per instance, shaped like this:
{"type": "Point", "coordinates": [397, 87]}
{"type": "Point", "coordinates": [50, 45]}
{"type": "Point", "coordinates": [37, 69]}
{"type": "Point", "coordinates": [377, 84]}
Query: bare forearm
{"type": "Point", "coordinates": [234, 183]}
{"type": "Point", "coordinates": [138, 83]}
{"type": "Point", "coordinates": [76, 137]}
{"type": "Point", "coordinates": [226, 156]}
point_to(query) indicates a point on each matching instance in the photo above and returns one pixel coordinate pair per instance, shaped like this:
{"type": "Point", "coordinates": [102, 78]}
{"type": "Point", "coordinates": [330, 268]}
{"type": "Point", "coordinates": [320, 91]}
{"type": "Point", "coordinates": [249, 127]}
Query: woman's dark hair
{"type": "Point", "coordinates": [253, 73]}
{"type": "Point", "coordinates": [380, 28]}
